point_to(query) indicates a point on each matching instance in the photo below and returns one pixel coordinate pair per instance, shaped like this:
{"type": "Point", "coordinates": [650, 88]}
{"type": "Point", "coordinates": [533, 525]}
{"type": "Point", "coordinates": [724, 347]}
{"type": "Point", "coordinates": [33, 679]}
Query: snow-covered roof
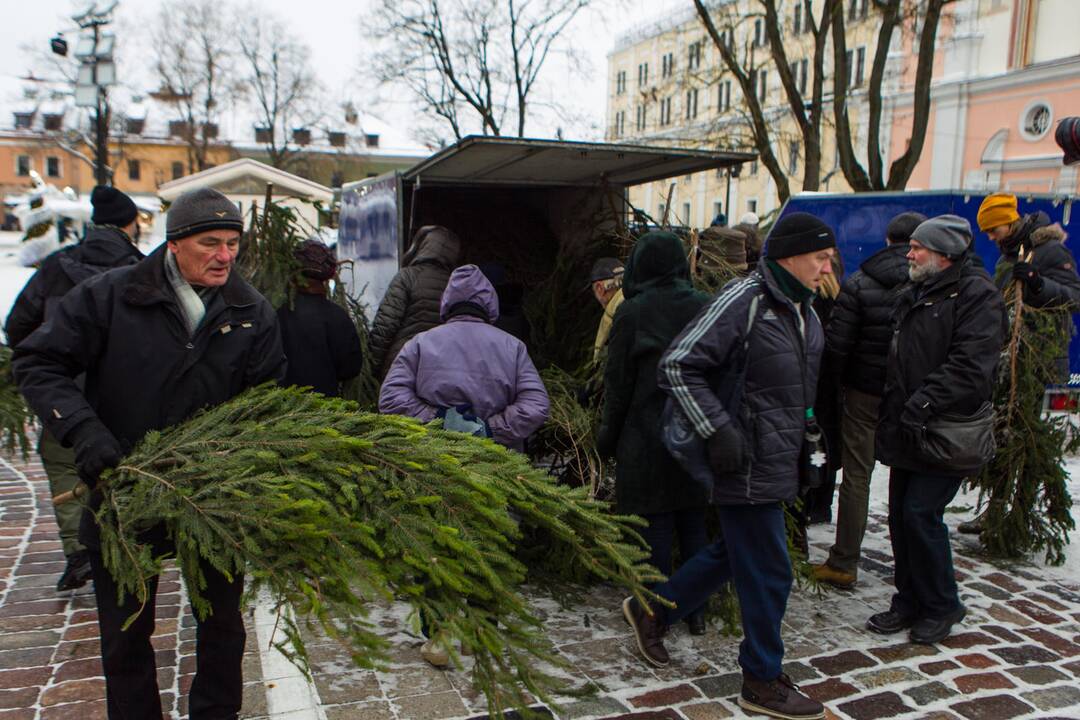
{"type": "Point", "coordinates": [247, 171]}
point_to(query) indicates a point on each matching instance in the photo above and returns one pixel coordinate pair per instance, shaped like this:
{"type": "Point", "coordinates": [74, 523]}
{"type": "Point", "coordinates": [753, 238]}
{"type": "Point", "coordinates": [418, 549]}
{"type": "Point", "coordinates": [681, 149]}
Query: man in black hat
{"type": "Point", "coordinates": [109, 243]}
{"type": "Point", "coordinates": [605, 279]}
{"type": "Point", "coordinates": [744, 373]}
{"type": "Point", "coordinates": [157, 342]}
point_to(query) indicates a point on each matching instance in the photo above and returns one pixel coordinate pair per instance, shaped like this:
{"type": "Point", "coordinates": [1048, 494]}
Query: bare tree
{"type": "Point", "coordinates": [892, 18]}
{"type": "Point", "coordinates": [470, 63]}
{"type": "Point", "coordinates": [277, 74]}
{"type": "Point", "coordinates": [195, 66]}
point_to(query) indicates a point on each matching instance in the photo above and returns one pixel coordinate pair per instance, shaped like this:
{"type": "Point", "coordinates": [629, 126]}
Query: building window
{"type": "Point", "coordinates": [804, 72]}
{"type": "Point", "coordinates": [134, 126]}
{"type": "Point", "coordinates": [177, 170]}
{"type": "Point", "coordinates": [717, 208]}
{"type": "Point", "coordinates": [857, 9]}
{"type": "Point", "coordinates": [23, 121]}
{"type": "Point", "coordinates": [691, 104]}
{"type": "Point", "coordinates": [371, 140]}
{"type": "Point", "coordinates": [860, 66]}
{"type": "Point", "coordinates": [642, 74]}
{"type": "Point", "coordinates": [661, 209]}
{"type": "Point", "coordinates": [620, 123]}
{"type": "Point", "coordinates": [263, 134]}
{"type": "Point", "coordinates": [1036, 120]}
{"type": "Point", "coordinates": [134, 170]}
{"type": "Point", "coordinates": [796, 20]}
{"type": "Point", "coordinates": [761, 36]}
{"type": "Point", "coordinates": [762, 84]}
{"type": "Point", "coordinates": [793, 157]}
{"type": "Point", "coordinates": [665, 112]}
{"type": "Point", "coordinates": [210, 130]}
{"type": "Point", "coordinates": [694, 55]}
{"type": "Point", "coordinates": [723, 96]}
{"type": "Point", "coordinates": [53, 122]}
{"type": "Point", "coordinates": [178, 128]}
{"type": "Point", "coordinates": [22, 165]}
{"type": "Point", "coordinates": [727, 38]}
{"type": "Point", "coordinates": [751, 205]}
{"type": "Point", "coordinates": [686, 213]}
{"type": "Point", "coordinates": [667, 65]}
{"type": "Point", "coordinates": [753, 167]}
{"type": "Point", "coordinates": [640, 125]}
{"type": "Point", "coordinates": [336, 138]}
{"type": "Point", "coordinates": [336, 179]}
{"type": "Point", "coordinates": [620, 82]}
{"type": "Point", "coordinates": [52, 166]}
{"type": "Point", "coordinates": [301, 136]}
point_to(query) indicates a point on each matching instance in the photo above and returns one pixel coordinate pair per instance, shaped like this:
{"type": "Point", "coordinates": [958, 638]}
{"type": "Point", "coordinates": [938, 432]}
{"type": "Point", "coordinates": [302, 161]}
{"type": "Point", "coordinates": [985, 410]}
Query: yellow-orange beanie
{"type": "Point", "coordinates": [996, 210]}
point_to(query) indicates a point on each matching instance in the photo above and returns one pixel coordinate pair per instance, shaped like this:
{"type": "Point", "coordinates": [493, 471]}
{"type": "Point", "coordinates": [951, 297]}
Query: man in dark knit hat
{"type": "Point", "coordinates": [856, 344]}
{"type": "Point", "coordinates": [744, 373]}
{"type": "Point", "coordinates": [949, 327]}
{"type": "Point", "coordinates": [110, 242]}
{"type": "Point", "coordinates": [157, 342]}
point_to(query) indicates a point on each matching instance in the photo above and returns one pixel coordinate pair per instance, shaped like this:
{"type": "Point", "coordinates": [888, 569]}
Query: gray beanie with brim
{"type": "Point", "coordinates": [949, 235]}
{"type": "Point", "coordinates": [201, 210]}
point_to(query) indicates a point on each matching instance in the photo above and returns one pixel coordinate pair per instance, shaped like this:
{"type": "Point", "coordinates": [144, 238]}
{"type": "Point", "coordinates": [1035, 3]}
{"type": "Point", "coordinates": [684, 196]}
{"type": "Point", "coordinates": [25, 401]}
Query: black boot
{"type": "Point", "coordinates": [695, 621]}
{"type": "Point", "coordinates": [77, 572]}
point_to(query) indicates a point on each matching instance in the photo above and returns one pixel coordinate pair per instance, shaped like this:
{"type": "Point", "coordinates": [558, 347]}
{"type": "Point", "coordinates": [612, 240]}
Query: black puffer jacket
{"type": "Point", "coordinates": [1045, 241]}
{"type": "Point", "coordinates": [321, 344]}
{"type": "Point", "coordinates": [125, 331]}
{"type": "Point", "coordinates": [949, 331]}
{"type": "Point", "coordinates": [701, 371]}
{"type": "Point", "coordinates": [858, 333]}
{"type": "Point", "coordinates": [102, 249]}
{"type": "Point", "coordinates": [411, 303]}
{"type": "Point", "coordinates": [659, 302]}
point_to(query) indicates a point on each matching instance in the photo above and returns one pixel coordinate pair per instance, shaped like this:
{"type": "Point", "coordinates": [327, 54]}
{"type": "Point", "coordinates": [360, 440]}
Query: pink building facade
{"type": "Point", "coordinates": [1007, 72]}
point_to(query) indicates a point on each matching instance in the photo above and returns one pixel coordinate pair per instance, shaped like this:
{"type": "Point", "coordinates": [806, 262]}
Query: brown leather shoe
{"type": "Point", "coordinates": [779, 698]}
{"type": "Point", "coordinates": [648, 631]}
{"type": "Point", "coordinates": [837, 578]}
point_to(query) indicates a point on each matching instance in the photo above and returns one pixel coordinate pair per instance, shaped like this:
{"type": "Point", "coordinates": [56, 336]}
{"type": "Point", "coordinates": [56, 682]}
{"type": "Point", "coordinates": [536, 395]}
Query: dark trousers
{"type": "Point", "coordinates": [858, 429]}
{"type": "Point", "coordinates": [688, 525]}
{"type": "Point", "coordinates": [128, 657]}
{"type": "Point", "coordinates": [59, 464]}
{"type": "Point", "coordinates": [751, 550]}
{"type": "Point", "coordinates": [925, 580]}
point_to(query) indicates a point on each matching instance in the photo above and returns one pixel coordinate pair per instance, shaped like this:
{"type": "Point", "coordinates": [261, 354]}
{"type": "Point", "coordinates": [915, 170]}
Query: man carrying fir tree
{"type": "Point", "coordinates": [1034, 258]}
{"type": "Point", "coordinates": [157, 341]}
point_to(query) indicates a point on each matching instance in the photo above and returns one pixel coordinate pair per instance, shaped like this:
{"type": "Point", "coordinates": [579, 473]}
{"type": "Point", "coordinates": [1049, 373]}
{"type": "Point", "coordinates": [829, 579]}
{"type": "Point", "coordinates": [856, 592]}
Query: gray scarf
{"type": "Point", "coordinates": [191, 304]}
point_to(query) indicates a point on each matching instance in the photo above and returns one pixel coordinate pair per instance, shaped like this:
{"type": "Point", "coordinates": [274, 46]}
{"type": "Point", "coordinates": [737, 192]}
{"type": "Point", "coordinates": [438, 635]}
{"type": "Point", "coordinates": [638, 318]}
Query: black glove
{"type": "Point", "coordinates": [96, 450]}
{"type": "Point", "coordinates": [727, 450]}
{"type": "Point", "coordinates": [1026, 273]}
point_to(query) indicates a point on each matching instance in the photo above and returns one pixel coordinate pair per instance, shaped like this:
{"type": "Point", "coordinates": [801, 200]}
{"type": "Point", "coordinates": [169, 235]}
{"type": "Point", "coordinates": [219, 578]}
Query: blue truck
{"type": "Point", "coordinates": [859, 220]}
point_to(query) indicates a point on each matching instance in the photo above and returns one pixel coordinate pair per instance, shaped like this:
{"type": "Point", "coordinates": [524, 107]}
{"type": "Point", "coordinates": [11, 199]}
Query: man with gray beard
{"type": "Point", "coordinates": [949, 326]}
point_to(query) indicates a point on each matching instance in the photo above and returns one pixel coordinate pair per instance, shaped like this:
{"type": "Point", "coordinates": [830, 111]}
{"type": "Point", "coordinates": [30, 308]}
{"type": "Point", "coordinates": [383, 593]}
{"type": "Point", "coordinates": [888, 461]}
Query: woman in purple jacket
{"type": "Point", "coordinates": [467, 361]}
{"type": "Point", "coordinates": [467, 366]}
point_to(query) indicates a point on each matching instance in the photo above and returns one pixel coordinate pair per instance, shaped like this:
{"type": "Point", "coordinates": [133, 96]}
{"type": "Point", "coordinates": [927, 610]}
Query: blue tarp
{"type": "Point", "coordinates": [860, 219]}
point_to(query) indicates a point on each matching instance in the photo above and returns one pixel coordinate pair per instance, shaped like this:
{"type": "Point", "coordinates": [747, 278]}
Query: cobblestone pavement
{"type": "Point", "coordinates": [1017, 655]}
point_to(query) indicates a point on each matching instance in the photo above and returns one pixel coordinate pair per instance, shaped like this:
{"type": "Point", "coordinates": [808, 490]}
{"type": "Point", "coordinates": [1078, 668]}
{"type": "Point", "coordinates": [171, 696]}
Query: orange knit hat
{"type": "Point", "coordinates": [996, 210]}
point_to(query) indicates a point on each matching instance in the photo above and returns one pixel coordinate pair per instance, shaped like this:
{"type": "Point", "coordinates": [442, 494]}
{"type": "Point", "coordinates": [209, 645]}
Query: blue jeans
{"type": "Point", "coordinates": [759, 565]}
{"type": "Point", "coordinates": [924, 577]}
{"type": "Point", "coordinates": [689, 525]}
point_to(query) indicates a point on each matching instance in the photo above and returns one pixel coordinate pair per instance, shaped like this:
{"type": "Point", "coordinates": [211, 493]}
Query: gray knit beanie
{"type": "Point", "coordinates": [949, 235]}
{"type": "Point", "coordinates": [200, 210]}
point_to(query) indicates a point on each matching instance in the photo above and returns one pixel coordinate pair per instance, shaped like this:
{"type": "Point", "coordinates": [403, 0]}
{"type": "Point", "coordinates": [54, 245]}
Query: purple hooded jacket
{"type": "Point", "coordinates": [468, 361]}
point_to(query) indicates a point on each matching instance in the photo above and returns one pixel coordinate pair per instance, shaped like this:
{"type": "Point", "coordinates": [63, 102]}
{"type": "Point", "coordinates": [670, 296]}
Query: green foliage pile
{"type": "Point", "coordinates": [1025, 486]}
{"type": "Point", "coordinates": [15, 416]}
{"type": "Point", "coordinates": [330, 508]}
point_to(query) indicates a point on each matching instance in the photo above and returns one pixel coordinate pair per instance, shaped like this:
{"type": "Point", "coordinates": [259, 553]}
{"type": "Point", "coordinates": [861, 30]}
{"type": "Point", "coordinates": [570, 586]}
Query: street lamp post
{"type": "Point", "coordinates": [732, 172]}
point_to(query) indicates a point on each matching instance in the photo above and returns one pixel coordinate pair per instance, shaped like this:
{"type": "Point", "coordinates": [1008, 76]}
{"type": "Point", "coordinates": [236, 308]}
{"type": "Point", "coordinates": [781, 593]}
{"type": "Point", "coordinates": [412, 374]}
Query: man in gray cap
{"type": "Point", "coordinates": [157, 341]}
{"type": "Point", "coordinates": [949, 326]}
{"type": "Point", "coordinates": [605, 279]}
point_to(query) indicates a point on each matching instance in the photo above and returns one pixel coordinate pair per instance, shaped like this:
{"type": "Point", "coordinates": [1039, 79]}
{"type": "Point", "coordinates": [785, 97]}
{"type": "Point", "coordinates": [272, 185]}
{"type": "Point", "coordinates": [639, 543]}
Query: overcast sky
{"type": "Point", "coordinates": [332, 29]}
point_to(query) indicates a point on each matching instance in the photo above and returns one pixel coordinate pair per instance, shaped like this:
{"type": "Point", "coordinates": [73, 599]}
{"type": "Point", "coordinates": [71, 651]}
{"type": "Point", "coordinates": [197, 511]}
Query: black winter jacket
{"type": "Point", "coordinates": [102, 249]}
{"type": "Point", "coordinates": [321, 344]}
{"type": "Point", "coordinates": [1056, 266]}
{"type": "Point", "coordinates": [659, 302]}
{"type": "Point", "coordinates": [857, 335]}
{"type": "Point", "coordinates": [943, 358]}
{"type": "Point", "coordinates": [411, 303]}
{"type": "Point", "coordinates": [782, 361]}
{"type": "Point", "coordinates": [124, 330]}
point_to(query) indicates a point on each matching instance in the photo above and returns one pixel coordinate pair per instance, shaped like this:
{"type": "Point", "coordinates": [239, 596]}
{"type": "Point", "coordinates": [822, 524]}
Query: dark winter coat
{"type": "Point", "coordinates": [1061, 285]}
{"type": "Point", "coordinates": [411, 303]}
{"type": "Point", "coordinates": [782, 363]}
{"type": "Point", "coordinates": [320, 342]}
{"type": "Point", "coordinates": [857, 335]}
{"type": "Point", "coordinates": [659, 301]}
{"type": "Point", "coordinates": [102, 249]}
{"type": "Point", "coordinates": [468, 361]}
{"type": "Point", "coordinates": [948, 336]}
{"type": "Point", "coordinates": [125, 331]}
